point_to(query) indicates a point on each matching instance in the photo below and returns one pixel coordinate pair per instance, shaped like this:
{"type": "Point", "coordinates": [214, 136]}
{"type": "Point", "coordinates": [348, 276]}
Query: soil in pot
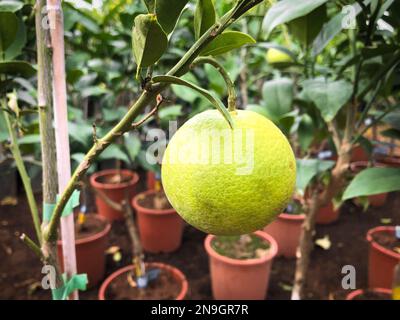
{"type": "Point", "coordinates": [116, 185]}
{"type": "Point", "coordinates": [160, 227]}
{"type": "Point", "coordinates": [388, 240]}
{"type": "Point", "coordinates": [240, 247]}
{"type": "Point", "coordinates": [91, 227]}
{"type": "Point", "coordinates": [165, 287]}
{"type": "Point", "coordinates": [240, 265]}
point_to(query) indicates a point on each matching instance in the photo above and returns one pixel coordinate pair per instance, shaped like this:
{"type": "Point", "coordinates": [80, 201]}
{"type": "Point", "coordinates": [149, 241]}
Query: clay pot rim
{"type": "Point", "coordinates": [248, 262]}
{"type": "Point", "coordinates": [358, 292]}
{"type": "Point", "coordinates": [108, 186]}
{"type": "Point", "coordinates": [377, 246]}
{"type": "Point", "coordinates": [178, 274]}
{"type": "Point", "coordinates": [96, 236]}
{"type": "Point", "coordinates": [138, 207]}
{"type": "Point", "coordinates": [292, 217]}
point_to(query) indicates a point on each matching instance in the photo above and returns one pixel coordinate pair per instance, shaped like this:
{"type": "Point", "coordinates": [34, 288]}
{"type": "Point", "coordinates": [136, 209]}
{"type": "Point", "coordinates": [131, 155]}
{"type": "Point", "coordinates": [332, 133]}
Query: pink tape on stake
{"type": "Point", "coordinates": [56, 24]}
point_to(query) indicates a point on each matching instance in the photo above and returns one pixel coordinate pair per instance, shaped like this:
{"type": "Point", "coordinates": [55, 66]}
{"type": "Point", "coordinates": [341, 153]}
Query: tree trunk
{"type": "Point", "coordinates": [306, 245]}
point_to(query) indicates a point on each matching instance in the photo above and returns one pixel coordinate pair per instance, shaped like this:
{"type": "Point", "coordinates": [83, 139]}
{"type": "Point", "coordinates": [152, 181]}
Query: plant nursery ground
{"type": "Point", "coordinates": [20, 270]}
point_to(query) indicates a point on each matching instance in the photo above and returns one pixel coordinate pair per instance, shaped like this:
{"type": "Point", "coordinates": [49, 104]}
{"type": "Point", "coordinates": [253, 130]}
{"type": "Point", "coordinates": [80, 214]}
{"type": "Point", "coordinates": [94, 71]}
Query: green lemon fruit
{"type": "Point", "coordinates": [227, 181]}
{"type": "Point", "coordinates": [277, 57]}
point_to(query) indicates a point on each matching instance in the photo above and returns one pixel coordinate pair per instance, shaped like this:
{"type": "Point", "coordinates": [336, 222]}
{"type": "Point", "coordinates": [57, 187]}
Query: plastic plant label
{"type": "Point", "coordinates": [151, 275]}
{"type": "Point", "coordinates": [397, 231]}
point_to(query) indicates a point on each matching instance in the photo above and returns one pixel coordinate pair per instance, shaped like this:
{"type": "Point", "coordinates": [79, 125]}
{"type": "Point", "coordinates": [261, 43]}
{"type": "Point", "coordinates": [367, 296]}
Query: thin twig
{"type": "Point", "coordinates": [160, 100]}
{"type": "Point", "coordinates": [32, 245]}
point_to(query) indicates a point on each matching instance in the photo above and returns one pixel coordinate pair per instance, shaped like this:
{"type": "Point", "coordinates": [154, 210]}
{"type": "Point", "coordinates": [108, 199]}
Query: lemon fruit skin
{"type": "Point", "coordinates": [278, 58]}
{"type": "Point", "coordinates": [220, 197]}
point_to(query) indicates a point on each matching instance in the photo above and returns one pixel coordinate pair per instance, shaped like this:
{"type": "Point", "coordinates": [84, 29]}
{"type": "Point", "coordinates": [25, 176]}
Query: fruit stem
{"type": "Point", "coordinates": [229, 84]}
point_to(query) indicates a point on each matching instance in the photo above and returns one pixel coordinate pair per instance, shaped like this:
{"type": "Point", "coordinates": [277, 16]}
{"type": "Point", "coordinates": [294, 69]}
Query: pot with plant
{"type": "Point", "coordinates": [286, 228]}
{"type": "Point", "coordinates": [114, 183]}
{"type": "Point", "coordinates": [141, 281]}
{"type": "Point", "coordinates": [160, 227]}
{"type": "Point", "coordinates": [384, 255]}
{"type": "Point", "coordinates": [240, 266]}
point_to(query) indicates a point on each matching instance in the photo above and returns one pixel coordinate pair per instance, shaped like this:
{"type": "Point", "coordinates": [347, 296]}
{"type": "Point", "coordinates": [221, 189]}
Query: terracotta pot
{"type": "Point", "coordinates": [382, 261]}
{"type": "Point", "coordinates": [356, 293]}
{"type": "Point", "coordinates": [177, 274]}
{"type": "Point", "coordinates": [286, 230]}
{"type": "Point", "coordinates": [90, 253]}
{"type": "Point", "coordinates": [150, 180]}
{"type": "Point", "coordinates": [114, 191]}
{"type": "Point", "coordinates": [359, 154]}
{"type": "Point", "coordinates": [327, 214]}
{"type": "Point", "coordinates": [160, 229]}
{"type": "Point", "coordinates": [233, 279]}
{"type": "Point", "coordinates": [390, 161]}
{"type": "Point", "coordinates": [376, 200]}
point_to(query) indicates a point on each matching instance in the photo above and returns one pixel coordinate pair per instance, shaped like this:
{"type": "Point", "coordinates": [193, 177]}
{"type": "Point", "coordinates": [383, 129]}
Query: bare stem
{"type": "Point", "coordinates": [32, 245]}
{"type": "Point", "coordinates": [26, 181]}
{"type": "Point", "coordinates": [229, 84]}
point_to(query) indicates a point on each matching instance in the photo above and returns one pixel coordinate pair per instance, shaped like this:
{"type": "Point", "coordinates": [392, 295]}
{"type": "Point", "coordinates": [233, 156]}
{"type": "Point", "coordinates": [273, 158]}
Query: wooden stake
{"type": "Point", "coordinates": [61, 123]}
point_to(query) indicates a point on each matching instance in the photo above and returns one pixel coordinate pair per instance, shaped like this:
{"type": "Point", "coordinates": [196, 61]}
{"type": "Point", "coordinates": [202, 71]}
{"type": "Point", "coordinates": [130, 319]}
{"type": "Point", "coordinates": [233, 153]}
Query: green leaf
{"type": "Point", "coordinates": [308, 169]}
{"type": "Point", "coordinates": [29, 139]}
{"type": "Point", "coordinates": [8, 29]}
{"type": "Point", "coordinates": [132, 145]}
{"type": "Point", "coordinates": [225, 42]}
{"type": "Point", "coordinates": [278, 97]}
{"type": "Point", "coordinates": [373, 181]}
{"type": "Point", "coordinates": [257, 108]}
{"type": "Point", "coordinates": [170, 112]}
{"type": "Point", "coordinates": [114, 152]}
{"type": "Point", "coordinates": [168, 12]}
{"type": "Point", "coordinates": [19, 43]}
{"type": "Point", "coordinates": [151, 5]}
{"type": "Point", "coordinates": [327, 95]}
{"type": "Point", "coordinates": [393, 119]}
{"type": "Point", "coordinates": [305, 132]}
{"type": "Point", "coordinates": [332, 28]}
{"type": "Point", "coordinates": [17, 68]}
{"type": "Point", "coordinates": [204, 17]}
{"type": "Point", "coordinates": [214, 100]}
{"type": "Point", "coordinates": [184, 93]}
{"type": "Point", "coordinates": [149, 41]}
{"type": "Point", "coordinates": [288, 10]}
{"type": "Point", "coordinates": [306, 28]}
{"type": "Point", "coordinates": [391, 133]}
{"type": "Point", "coordinates": [10, 6]}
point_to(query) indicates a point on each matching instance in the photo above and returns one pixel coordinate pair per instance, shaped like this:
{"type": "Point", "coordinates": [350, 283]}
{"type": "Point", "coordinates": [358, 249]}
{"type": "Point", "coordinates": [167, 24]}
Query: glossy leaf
{"type": "Point", "coordinates": [168, 12]}
{"type": "Point", "coordinates": [132, 145]}
{"type": "Point", "coordinates": [287, 10]}
{"type": "Point", "coordinates": [17, 68]}
{"type": "Point", "coordinates": [149, 41]}
{"type": "Point", "coordinates": [308, 169]}
{"type": "Point", "coordinates": [306, 28]}
{"type": "Point", "coordinates": [372, 181]}
{"type": "Point", "coordinates": [8, 29]}
{"type": "Point", "coordinates": [305, 132]}
{"type": "Point", "coordinates": [114, 152]}
{"type": "Point", "coordinates": [227, 41]}
{"type": "Point", "coordinates": [328, 95]}
{"type": "Point", "coordinates": [210, 97]}
{"type": "Point", "coordinates": [29, 139]}
{"type": "Point", "coordinates": [10, 6]}
{"type": "Point", "coordinates": [19, 43]}
{"type": "Point", "coordinates": [151, 5]}
{"type": "Point", "coordinates": [332, 28]}
{"type": "Point", "coordinates": [257, 108]}
{"type": "Point", "coordinates": [278, 97]}
{"type": "Point", "coordinates": [204, 17]}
